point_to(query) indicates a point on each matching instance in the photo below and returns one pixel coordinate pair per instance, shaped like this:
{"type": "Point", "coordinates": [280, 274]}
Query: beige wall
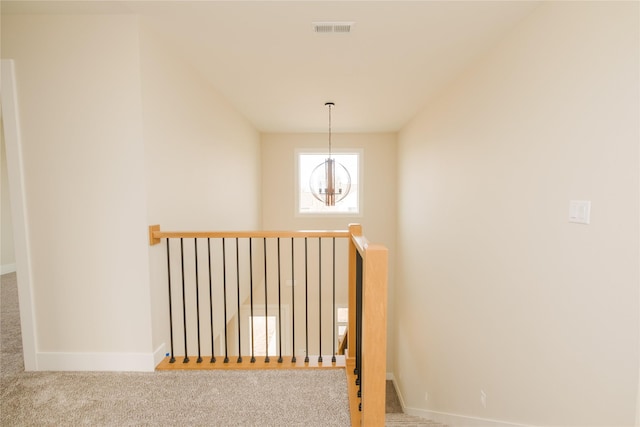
{"type": "Point", "coordinates": [202, 161]}
{"type": "Point", "coordinates": [118, 133]}
{"type": "Point", "coordinates": [378, 217]}
{"type": "Point", "coordinates": [496, 290]}
{"type": "Point", "coordinates": [78, 90]}
{"type": "Point", "coordinates": [202, 156]}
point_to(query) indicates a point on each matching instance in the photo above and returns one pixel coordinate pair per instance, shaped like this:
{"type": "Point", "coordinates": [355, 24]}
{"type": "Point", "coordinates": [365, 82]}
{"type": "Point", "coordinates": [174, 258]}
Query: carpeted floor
{"type": "Point", "coordinates": [218, 398]}
{"type": "Point", "coordinates": [208, 398]}
{"type": "Point", "coordinates": [392, 402]}
{"type": "Point", "coordinates": [215, 398]}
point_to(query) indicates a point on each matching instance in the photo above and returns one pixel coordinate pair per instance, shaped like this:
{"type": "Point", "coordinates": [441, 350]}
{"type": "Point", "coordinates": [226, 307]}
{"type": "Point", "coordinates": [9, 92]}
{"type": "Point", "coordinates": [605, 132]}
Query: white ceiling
{"type": "Point", "coordinates": [265, 58]}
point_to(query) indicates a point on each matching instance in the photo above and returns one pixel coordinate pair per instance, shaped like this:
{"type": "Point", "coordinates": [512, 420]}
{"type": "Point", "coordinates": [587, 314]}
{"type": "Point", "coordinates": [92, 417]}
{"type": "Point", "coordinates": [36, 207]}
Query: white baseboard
{"type": "Point", "coordinates": [451, 420]}
{"type": "Point", "coordinates": [116, 362]}
{"type": "Point", "coordinates": [455, 420]}
{"type": "Point", "coordinates": [159, 354]}
{"type": "Point", "coordinates": [7, 268]}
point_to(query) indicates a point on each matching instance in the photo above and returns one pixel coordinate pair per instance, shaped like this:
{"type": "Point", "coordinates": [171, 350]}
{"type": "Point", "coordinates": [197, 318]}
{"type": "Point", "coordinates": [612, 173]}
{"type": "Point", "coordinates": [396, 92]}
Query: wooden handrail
{"type": "Point", "coordinates": [355, 230]}
{"type": "Point", "coordinates": [361, 244]}
{"type": "Point", "coordinates": [155, 235]}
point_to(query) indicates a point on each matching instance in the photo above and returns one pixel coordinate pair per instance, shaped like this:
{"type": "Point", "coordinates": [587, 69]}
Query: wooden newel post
{"type": "Point", "coordinates": [374, 335]}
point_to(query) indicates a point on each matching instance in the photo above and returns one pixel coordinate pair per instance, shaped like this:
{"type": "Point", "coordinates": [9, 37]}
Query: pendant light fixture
{"type": "Point", "coordinates": [330, 181]}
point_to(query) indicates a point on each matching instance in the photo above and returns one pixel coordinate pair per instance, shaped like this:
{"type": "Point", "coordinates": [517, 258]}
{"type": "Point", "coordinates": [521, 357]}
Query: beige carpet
{"type": "Point", "coordinates": [392, 405]}
{"type": "Point", "coordinates": [216, 398]}
{"type": "Point", "coordinates": [204, 398]}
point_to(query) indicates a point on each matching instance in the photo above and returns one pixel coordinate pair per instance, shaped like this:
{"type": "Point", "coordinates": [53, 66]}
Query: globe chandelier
{"type": "Point", "coordinates": [330, 181]}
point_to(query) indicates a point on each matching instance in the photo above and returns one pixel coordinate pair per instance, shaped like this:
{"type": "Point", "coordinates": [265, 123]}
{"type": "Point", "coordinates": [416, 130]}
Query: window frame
{"type": "Point", "coordinates": [359, 152]}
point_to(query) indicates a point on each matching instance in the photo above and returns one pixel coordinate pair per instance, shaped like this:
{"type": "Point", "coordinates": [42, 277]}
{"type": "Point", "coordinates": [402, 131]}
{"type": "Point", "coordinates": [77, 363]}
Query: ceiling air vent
{"type": "Point", "coordinates": [332, 27]}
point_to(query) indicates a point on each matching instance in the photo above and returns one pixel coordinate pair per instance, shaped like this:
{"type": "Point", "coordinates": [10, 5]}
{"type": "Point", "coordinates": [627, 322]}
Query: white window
{"type": "Point", "coordinates": [312, 183]}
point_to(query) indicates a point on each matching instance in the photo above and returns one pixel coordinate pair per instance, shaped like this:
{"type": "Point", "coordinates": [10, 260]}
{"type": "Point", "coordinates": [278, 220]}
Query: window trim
{"type": "Point", "coordinates": [296, 171]}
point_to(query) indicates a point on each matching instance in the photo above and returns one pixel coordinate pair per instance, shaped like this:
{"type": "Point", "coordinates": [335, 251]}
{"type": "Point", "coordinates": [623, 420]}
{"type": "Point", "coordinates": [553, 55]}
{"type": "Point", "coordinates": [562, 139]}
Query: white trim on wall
{"type": "Point", "coordinates": [451, 420]}
{"type": "Point", "coordinates": [15, 169]}
{"type": "Point", "coordinates": [7, 268]}
{"type": "Point", "coordinates": [130, 362]}
{"type": "Point", "coordinates": [455, 420]}
{"type": "Point", "coordinates": [101, 362]}
{"type": "Point", "coordinates": [159, 354]}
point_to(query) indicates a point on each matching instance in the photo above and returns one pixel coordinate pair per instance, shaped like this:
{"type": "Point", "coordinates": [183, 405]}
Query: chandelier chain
{"type": "Point", "coordinates": [330, 105]}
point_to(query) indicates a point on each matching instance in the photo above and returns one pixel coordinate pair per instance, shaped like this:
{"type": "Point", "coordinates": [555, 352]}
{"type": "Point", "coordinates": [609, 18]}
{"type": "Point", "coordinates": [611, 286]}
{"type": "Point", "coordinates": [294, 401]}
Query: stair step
{"type": "Point", "coordinates": [405, 420]}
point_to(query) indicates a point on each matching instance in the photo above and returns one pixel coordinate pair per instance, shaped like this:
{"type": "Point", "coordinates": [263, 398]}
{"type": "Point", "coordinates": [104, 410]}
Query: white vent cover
{"type": "Point", "coordinates": [333, 27]}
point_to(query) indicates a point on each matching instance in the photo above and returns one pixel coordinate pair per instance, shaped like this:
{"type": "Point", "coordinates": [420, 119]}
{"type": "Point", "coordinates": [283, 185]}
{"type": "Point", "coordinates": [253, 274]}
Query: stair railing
{"type": "Point", "coordinates": [250, 268]}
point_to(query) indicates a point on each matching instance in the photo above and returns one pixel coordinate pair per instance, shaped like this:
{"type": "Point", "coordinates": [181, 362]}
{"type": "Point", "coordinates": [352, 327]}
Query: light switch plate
{"type": "Point", "coordinates": [580, 211]}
